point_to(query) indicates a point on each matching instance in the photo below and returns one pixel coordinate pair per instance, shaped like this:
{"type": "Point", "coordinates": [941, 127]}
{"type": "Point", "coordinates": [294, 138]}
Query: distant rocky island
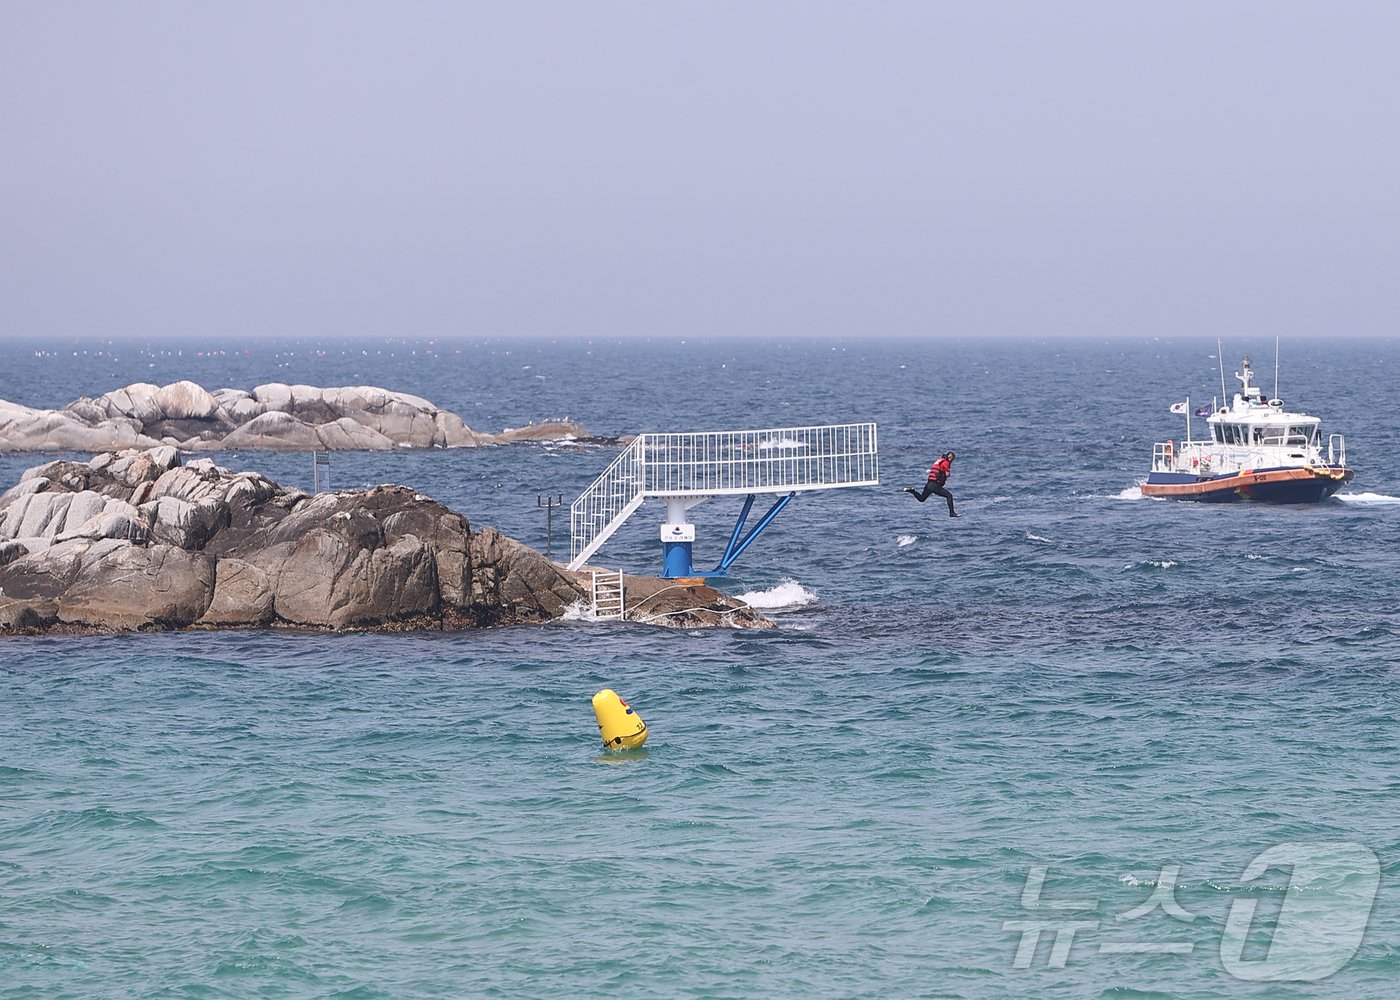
{"type": "Point", "coordinates": [274, 417]}
{"type": "Point", "coordinates": [138, 540]}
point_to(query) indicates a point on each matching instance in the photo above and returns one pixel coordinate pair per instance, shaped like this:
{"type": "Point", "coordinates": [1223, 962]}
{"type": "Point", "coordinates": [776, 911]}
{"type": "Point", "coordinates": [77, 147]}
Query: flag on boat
{"type": "Point", "coordinates": [1205, 411]}
{"type": "Point", "coordinates": [1178, 407]}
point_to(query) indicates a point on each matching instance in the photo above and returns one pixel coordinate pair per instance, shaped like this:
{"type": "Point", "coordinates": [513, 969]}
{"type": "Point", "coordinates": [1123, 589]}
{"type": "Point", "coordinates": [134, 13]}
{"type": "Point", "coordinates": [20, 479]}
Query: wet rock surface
{"type": "Point", "coordinates": [139, 540]}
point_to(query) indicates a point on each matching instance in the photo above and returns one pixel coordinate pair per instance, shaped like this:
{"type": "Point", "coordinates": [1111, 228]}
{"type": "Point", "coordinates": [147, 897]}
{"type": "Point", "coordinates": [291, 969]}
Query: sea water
{"type": "Point", "coordinates": [1032, 751]}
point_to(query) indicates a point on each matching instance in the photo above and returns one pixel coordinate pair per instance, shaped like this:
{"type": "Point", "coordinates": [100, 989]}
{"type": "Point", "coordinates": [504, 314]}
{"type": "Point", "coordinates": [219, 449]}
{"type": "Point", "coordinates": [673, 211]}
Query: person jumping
{"type": "Point", "coordinates": [937, 476]}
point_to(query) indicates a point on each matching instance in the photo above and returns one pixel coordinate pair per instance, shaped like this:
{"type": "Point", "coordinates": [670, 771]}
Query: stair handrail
{"type": "Point", "coordinates": [593, 513]}
{"type": "Point", "coordinates": [715, 463]}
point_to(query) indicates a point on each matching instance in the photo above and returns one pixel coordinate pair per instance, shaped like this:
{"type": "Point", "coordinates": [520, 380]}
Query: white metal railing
{"type": "Point", "coordinates": [716, 463]}
{"type": "Point", "coordinates": [1336, 449]}
{"type": "Point", "coordinates": [612, 498]}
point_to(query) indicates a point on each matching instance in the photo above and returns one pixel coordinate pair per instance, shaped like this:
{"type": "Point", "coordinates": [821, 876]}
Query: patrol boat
{"type": "Point", "coordinates": [1257, 450]}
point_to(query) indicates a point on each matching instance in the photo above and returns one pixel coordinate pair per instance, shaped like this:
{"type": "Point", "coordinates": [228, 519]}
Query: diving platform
{"type": "Point", "coordinates": [686, 469]}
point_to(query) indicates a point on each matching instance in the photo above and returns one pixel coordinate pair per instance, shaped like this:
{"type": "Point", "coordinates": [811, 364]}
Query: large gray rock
{"type": "Point", "coordinates": [26, 429]}
{"type": "Point", "coordinates": [275, 430]}
{"type": "Point", "coordinates": [344, 434]}
{"type": "Point", "coordinates": [242, 595]}
{"type": "Point", "coordinates": [185, 524]}
{"type": "Point", "coordinates": [238, 406]}
{"type": "Point", "coordinates": [272, 416]}
{"type": "Point", "coordinates": [129, 587]}
{"type": "Point", "coordinates": [137, 401]}
{"type": "Point", "coordinates": [512, 582]}
{"type": "Point", "coordinates": [186, 401]}
{"type": "Point", "coordinates": [274, 396]}
{"type": "Point", "coordinates": [137, 541]}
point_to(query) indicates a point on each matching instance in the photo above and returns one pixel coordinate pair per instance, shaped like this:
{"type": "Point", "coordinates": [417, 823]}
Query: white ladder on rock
{"type": "Point", "coordinates": [607, 594]}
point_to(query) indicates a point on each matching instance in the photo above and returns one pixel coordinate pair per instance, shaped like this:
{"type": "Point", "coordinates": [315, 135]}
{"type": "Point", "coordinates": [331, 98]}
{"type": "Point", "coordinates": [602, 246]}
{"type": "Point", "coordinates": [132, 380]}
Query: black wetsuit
{"type": "Point", "coordinates": [932, 487]}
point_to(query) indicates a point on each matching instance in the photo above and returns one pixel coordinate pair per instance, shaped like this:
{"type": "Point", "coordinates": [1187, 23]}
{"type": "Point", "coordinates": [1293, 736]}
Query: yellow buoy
{"type": "Point", "coordinates": [622, 728]}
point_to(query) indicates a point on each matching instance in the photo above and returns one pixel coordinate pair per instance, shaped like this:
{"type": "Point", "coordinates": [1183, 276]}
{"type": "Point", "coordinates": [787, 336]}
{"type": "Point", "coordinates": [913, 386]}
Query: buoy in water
{"type": "Point", "coordinates": [622, 728]}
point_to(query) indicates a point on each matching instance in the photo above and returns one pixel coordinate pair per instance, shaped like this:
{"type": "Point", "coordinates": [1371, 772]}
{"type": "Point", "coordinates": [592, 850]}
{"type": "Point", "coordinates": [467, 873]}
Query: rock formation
{"type": "Point", "coordinates": [137, 540]}
{"type": "Point", "coordinates": [271, 417]}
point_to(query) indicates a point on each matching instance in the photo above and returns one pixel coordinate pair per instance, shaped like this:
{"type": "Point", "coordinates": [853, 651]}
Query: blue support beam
{"type": "Point", "coordinates": [738, 527]}
{"type": "Point", "coordinates": [736, 548]}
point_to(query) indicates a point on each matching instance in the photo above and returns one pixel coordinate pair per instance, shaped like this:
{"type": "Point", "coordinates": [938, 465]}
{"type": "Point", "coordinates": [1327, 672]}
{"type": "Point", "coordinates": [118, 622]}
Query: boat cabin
{"type": "Point", "coordinates": [1300, 431]}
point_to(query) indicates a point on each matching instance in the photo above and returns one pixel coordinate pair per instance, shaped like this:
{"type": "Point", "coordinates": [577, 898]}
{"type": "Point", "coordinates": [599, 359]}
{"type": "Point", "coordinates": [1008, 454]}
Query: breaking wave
{"type": "Point", "coordinates": [579, 611]}
{"type": "Point", "coordinates": [787, 594]}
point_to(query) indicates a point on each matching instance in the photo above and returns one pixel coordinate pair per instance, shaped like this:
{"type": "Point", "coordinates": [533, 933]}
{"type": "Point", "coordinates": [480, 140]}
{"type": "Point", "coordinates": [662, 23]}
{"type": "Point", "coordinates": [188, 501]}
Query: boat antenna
{"type": "Point", "coordinates": [1275, 368]}
{"type": "Point", "coordinates": [1220, 363]}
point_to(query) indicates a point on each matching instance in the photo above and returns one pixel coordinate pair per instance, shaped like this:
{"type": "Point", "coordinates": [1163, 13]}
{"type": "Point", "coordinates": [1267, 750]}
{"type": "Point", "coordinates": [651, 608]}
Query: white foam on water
{"type": "Point", "coordinates": [1255, 556]}
{"type": "Point", "coordinates": [787, 444]}
{"type": "Point", "coordinates": [1158, 882]}
{"type": "Point", "coordinates": [1155, 563]}
{"type": "Point", "coordinates": [787, 594]}
{"type": "Point", "coordinates": [1367, 498]}
{"type": "Point", "coordinates": [904, 540]}
{"type": "Point", "coordinates": [1131, 493]}
{"type": "Point", "coordinates": [1031, 536]}
{"type": "Point", "coordinates": [579, 611]}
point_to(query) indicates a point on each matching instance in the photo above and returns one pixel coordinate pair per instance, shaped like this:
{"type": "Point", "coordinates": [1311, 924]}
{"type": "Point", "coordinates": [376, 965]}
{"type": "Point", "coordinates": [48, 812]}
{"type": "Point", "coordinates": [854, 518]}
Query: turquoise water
{"type": "Point", "coordinates": [1069, 679]}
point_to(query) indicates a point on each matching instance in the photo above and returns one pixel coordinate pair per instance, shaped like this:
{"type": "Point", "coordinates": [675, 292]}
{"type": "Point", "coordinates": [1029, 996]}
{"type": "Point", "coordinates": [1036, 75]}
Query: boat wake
{"type": "Point", "coordinates": [788, 594]}
{"type": "Point", "coordinates": [1133, 492]}
{"type": "Point", "coordinates": [1367, 498]}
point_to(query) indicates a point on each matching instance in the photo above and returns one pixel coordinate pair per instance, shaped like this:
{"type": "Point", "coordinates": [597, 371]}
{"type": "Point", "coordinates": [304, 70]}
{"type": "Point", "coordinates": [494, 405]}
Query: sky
{"type": "Point", "coordinates": [682, 169]}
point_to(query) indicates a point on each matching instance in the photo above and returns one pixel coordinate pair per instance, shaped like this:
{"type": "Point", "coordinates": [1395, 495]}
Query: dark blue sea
{"type": "Point", "coordinates": [1076, 743]}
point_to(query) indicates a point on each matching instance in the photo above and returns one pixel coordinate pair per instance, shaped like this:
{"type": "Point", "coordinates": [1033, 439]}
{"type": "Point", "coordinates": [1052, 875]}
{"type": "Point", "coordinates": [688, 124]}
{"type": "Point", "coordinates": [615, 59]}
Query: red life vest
{"type": "Point", "coordinates": [940, 470]}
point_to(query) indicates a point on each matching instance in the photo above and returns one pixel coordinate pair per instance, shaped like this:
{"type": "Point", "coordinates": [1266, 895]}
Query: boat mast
{"type": "Point", "coordinates": [1220, 363]}
{"type": "Point", "coordinates": [1275, 396]}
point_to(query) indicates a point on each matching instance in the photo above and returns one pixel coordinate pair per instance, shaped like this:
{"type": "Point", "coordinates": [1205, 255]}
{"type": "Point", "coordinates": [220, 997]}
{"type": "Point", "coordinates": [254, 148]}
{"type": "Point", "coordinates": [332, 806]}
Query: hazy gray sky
{"type": "Point", "coordinates": [676, 168]}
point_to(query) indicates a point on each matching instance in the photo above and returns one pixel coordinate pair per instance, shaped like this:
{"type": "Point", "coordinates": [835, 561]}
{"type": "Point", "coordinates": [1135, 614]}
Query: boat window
{"type": "Point", "coordinates": [1300, 435]}
{"type": "Point", "coordinates": [1271, 434]}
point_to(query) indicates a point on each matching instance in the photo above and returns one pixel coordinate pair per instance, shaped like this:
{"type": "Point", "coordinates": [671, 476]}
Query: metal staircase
{"type": "Point", "coordinates": [687, 468]}
{"type": "Point", "coordinates": [608, 594]}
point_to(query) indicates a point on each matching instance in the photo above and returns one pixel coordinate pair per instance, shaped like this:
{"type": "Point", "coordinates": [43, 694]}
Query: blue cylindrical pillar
{"type": "Point", "coordinates": [676, 560]}
{"type": "Point", "coordinates": [677, 540]}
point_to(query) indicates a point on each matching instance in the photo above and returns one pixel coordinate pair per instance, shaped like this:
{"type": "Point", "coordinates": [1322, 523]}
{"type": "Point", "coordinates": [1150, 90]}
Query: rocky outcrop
{"type": "Point", "coordinates": [139, 540]}
{"type": "Point", "coordinates": [273, 417]}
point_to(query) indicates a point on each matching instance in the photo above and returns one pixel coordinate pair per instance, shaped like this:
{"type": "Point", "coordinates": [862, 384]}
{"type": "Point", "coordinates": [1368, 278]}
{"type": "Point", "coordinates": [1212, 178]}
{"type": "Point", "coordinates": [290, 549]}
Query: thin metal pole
{"type": "Point", "coordinates": [549, 504]}
{"type": "Point", "coordinates": [1220, 363]}
{"type": "Point", "coordinates": [1275, 368]}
